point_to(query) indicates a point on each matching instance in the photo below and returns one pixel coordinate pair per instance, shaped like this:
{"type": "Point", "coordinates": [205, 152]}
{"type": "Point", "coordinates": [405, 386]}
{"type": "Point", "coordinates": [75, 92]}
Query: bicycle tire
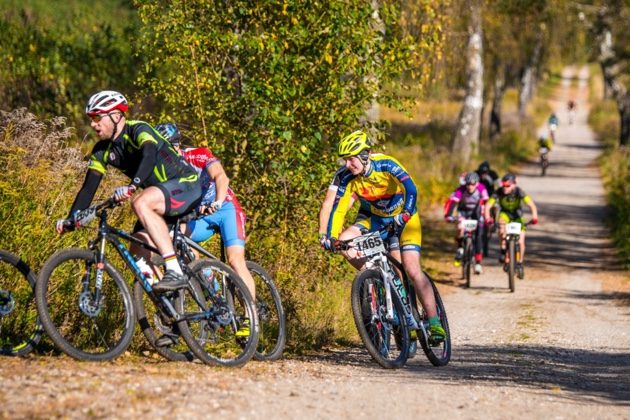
{"type": "Point", "coordinates": [102, 334]}
{"type": "Point", "coordinates": [511, 264]}
{"type": "Point", "coordinates": [211, 335]}
{"type": "Point", "coordinates": [20, 326]}
{"type": "Point", "coordinates": [379, 335]}
{"type": "Point", "coordinates": [154, 323]}
{"type": "Point", "coordinates": [468, 258]}
{"type": "Point", "coordinates": [438, 355]}
{"type": "Point", "coordinates": [272, 337]}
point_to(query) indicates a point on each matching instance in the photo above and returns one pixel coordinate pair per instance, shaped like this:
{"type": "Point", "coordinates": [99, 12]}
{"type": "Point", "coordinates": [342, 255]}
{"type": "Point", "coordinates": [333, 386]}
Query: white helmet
{"type": "Point", "coordinates": [106, 101]}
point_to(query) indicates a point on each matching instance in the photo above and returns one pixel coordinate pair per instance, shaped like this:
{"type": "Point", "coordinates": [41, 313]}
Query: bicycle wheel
{"type": "Point", "coordinates": [20, 328]}
{"type": "Point", "coordinates": [272, 337]}
{"type": "Point", "coordinates": [227, 306]}
{"type": "Point", "coordinates": [511, 264]}
{"type": "Point", "coordinates": [155, 323]}
{"type": "Point", "coordinates": [84, 326]}
{"type": "Point", "coordinates": [468, 258]}
{"type": "Point", "coordinates": [439, 354]}
{"type": "Point", "coordinates": [378, 333]}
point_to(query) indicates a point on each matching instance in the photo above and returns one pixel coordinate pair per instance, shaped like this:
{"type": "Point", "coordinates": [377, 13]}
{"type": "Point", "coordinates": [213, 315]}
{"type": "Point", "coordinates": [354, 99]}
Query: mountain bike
{"type": "Point", "coordinates": [20, 327]}
{"type": "Point", "coordinates": [470, 235]}
{"type": "Point", "coordinates": [544, 160]}
{"type": "Point", "coordinates": [513, 253]}
{"type": "Point", "coordinates": [385, 307]}
{"type": "Point", "coordinates": [87, 310]}
{"type": "Point", "coordinates": [271, 321]}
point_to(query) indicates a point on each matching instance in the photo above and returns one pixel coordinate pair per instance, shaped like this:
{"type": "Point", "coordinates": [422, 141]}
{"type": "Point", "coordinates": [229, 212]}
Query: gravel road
{"type": "Point", "coordinates": [559, 347]}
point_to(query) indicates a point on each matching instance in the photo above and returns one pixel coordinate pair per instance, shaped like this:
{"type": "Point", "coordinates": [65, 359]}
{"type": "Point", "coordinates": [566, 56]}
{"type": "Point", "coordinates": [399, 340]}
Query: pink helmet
{"type": "Point", "coordinates": [106, 101]}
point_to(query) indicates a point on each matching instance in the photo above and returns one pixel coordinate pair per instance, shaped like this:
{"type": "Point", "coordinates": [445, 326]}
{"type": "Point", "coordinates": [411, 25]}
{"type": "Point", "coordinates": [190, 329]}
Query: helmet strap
{"type": "Point", "coordinates": [113, 137]}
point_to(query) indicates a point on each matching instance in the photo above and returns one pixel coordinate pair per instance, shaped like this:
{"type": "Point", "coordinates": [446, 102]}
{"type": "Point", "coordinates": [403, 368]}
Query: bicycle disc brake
{"type": "Point", "coordinates": [88, 305]}
{"type": "Point", "coordinates": [7, 303]}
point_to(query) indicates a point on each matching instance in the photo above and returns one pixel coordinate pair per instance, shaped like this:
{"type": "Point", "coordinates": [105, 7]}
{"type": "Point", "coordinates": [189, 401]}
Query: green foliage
{"type": "Point", "coordinates": [615, 166]}
{"type": "Point", "coordinates": [53, 55]}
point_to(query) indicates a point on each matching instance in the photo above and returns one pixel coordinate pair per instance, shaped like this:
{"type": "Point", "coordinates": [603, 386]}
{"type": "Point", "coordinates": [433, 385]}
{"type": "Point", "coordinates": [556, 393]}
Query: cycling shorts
{"type": "Point", "coordinates": [410, 238]}
{"type": "Point", "coordinates": [505, 218]}
{"type": "Point", "coordinates": [181, 195]}
{"type": "Point", "coordinates": [229, 220]}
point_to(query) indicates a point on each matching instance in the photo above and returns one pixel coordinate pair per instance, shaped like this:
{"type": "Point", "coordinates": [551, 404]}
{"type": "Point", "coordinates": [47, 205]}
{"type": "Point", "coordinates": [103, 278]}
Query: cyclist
{"type": "Point", "coordinates": [469, 201]}
{"type": "Point", "coordinates": [553, 126]}
{"type": "Point", "coordinates": [488, 177]}
{"type": "Point", "coordinates": [571, 110]}
{"type": "Point", "coordinates": [169, 186]}
{"type": "Point", "coordinates": [545, 142]}
{"type": "Point", "coordinates": [510, 198]}
{"type": "Point", "coordinates": [219, 207]}
{"type": "Point", "coordinates": [387, 193]}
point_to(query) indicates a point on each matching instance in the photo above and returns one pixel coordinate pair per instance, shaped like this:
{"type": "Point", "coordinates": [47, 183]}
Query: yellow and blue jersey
{"type": "Point", "coordinates": [385, 190]}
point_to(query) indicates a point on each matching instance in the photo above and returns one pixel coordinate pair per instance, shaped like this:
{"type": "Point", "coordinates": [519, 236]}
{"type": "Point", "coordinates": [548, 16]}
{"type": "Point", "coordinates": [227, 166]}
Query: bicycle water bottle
{"type": "Point", "coordinates": [210, 281]}
{"type": "Point", "coordinates": [146, 270]}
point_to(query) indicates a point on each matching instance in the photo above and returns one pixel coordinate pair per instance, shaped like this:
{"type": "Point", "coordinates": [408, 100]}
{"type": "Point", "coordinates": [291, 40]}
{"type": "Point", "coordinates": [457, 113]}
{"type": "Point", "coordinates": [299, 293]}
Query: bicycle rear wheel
{"type": "Point", "coordinates": [439, 354]}
{"type": "Point", "coordinates": [386, 340]}
{"type": "Point", "coordinates": [82, 325]}
{"type": "Point", "coordinates": [155, 323]}
{"type": "Point", "coordinates": [272, 337]}
{"type": "Point", "coordinates": [216, 333]}
{"type": "Point", "coordinates": [20, 328]}
{"type": "Point", "coordinates": [511, 264]}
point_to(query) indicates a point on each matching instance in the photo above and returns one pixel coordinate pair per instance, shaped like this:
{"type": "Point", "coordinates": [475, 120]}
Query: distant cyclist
{"type": "Point", "coordinates": [552, 122]}
{"type": "Point", "coordinates": [545, 142]}
{"type": "Point", "coordinates": [510, 198]}
{"type": "Point", "coordinates": [488, 177]}
{"type": "Point", "coordinates": [469, 201]}
{"type": "Point", "coordinates": [571, 110]}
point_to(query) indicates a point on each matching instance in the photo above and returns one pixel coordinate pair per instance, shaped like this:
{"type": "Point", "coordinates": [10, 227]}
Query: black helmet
{"type": "Point", "coordinates": [508, 179]}
{"type": "Point", "coordinates": [170, 132]}
{"type": "Point", "coordinates": [484, 167]}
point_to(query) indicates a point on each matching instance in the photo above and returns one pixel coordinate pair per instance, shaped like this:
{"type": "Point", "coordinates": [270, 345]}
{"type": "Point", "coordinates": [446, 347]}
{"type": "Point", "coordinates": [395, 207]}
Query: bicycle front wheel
{"type": "Point", "coordinates": [387, 340]}
{"type": "Point", "coordinates": [84, 322]}
{"type": "Point", "coordinates": [20, 328]}
{"type": "Point", "coordinates": [222, 325]}
{"type": "Point", "coordinates": [271, 318]}
{"type": "Point", "coordinates": [439, 354]}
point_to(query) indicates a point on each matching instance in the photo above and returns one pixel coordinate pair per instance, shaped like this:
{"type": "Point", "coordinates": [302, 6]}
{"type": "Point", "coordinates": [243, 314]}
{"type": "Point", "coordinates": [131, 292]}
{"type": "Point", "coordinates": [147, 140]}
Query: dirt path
{"type": "Point", "coordinates": [558, 347]}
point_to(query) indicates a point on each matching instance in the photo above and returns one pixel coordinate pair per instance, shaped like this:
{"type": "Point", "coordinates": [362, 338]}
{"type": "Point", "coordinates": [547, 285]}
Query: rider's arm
{"type": "Point", "coordinates": [149, 153]}
{"type": "Point", "coordinates": [341, 204]}
{"type": "Point", "coordinates": [532, 206]}
{"type": "Point", "coordinates": [326, 208]}
{"type": "Point", "coordinates": [488, 206]}
{"type": "Point", "coordinates": [411, 193]}
{"type": "Point", "coordinates": [218, 175]}
{"type": "Point", "coordinates": [86, 194]}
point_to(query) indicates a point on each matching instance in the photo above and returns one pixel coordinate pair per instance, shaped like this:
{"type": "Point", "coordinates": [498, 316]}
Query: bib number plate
{"type": "Point", "coordinates": [370, 244]}
{"type": "Point", "coordinates": [513, 228]}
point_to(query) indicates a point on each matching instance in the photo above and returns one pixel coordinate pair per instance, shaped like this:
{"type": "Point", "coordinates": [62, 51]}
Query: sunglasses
{"type": "Point", "coordinates": [506, 183]}
{"type": "Point", "coordinates": [98, 117]}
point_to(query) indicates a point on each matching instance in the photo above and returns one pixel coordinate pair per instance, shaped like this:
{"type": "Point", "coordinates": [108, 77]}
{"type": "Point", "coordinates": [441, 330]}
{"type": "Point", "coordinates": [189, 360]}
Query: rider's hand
{"type": "Point", "coordinates": [123, 193]}
{"type": "Point", "coordinates": [535, 221]}
{"type": "Point", "coordinates": [489, 221]}
{"type": "Point", "coordinates": [402, 218]}
{"type": "Point", "coordinates": [323, 240]}
{"type": "Point", "coordinates": [64, 225]}
{"type": "Point", "coordinates": [329, 244]}
{"type": "Point", "coordinates": [449, 219]}
{"type": "Point", "coordinates": [214, 207]}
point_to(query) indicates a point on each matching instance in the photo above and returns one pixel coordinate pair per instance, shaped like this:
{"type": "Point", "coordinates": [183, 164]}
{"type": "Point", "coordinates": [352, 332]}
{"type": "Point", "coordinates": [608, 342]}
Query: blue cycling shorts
{"type": "Point", "coordinates": [229, 220]}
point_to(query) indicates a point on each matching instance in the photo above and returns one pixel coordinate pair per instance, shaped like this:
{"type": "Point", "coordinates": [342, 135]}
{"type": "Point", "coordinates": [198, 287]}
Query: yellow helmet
{"type": "Point", "coordinates": [353, 144]}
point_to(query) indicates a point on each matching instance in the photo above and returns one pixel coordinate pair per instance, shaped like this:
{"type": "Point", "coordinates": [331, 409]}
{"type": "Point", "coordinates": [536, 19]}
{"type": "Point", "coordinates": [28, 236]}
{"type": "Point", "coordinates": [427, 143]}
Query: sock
{"type": "Point", "coordinates": [172, 264]}
{"type": "Point", "coordinates": [434, 320]}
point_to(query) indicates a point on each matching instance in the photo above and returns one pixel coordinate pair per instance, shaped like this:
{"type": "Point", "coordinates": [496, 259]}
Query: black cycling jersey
{"type": "Point", "coordinates": [141, 154]}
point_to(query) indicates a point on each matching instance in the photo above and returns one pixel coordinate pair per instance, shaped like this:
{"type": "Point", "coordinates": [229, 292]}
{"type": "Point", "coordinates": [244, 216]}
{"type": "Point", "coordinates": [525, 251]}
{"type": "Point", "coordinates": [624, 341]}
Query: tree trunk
{"type": "Point", "coordinates": [528, 81]}
{"type": "Point", "coordinates": [497, 103]}
{"type": "Point", "coordinates": [469, 121]}
{"type": "Point", "coordinates": [609, 62]}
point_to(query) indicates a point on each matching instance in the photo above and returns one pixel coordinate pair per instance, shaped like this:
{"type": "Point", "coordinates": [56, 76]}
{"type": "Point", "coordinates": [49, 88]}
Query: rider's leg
{"type": "Point", "coordinates": [150, 206]}
{"type": "Point", "coordinates": [424, 291]}
{"type": "Point", "coordinates": [351, 254]}
{"type": "Point", "coordinates": [236, 259]}
{"type": "Point", "coordinates": [521, 241]}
